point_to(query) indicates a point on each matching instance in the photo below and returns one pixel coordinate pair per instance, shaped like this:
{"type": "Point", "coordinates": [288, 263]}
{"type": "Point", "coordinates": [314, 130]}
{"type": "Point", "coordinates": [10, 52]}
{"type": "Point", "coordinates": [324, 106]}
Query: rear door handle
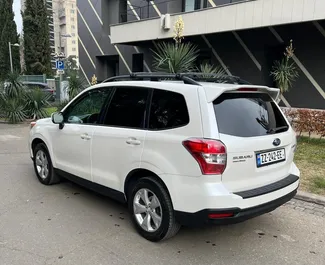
{"type": "Point", "coordinates": [133, 141]}
{"type": "Point", "coordinates": [85, 136]}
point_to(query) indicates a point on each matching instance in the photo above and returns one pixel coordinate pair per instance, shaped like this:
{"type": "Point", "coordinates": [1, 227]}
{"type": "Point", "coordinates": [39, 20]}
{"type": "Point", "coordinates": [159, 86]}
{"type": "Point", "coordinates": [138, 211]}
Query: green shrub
{"type": "Point", "coordinates": [13, 109]}
{"type": "Point", "coordinates": [36, 103]}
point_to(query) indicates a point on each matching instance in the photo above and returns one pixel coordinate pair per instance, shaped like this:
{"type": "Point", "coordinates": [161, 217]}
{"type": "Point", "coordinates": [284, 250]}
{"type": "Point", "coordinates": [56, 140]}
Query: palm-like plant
{"type": "Point", "coordinates": [211, 70]}
{"type": "Point", "coordinates": [13, 85]}
{"type": "Point", "coordinates": [175, 57]}
{"type": "Point", "coordinates": [284, 72]}
{"type": "Point", "coordinates": [12, 99]}
{"type": "Point", "coordinates": [75, 85]}
{"type": "Point", "coordinates": [36, 102]}
{"type": "Point", "coordinates": [12, 108]}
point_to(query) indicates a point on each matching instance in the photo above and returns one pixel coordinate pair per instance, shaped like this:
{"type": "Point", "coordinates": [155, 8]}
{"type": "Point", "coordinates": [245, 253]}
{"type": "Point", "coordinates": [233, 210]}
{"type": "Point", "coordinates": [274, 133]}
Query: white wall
{"type": "Point", "coordinates": [252, 14]}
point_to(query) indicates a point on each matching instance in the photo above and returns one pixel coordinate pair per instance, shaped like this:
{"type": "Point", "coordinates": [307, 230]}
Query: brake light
{"type": "Point", "coordinates": [246, 89]}
{"type": "Point", "coordinates": [211, 155]}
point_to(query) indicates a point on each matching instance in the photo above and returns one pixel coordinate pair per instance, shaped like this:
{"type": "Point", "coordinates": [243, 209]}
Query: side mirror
{"type": "Point", "coordinates": [57, 118]}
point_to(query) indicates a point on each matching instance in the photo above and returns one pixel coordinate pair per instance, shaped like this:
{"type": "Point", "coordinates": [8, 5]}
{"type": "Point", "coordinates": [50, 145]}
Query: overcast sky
{"type": "Point", "coordinates": [18, 18]}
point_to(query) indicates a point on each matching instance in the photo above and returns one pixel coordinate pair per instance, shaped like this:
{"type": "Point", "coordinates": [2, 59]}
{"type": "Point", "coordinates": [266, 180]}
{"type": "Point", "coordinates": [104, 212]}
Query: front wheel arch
{"type": "Point", "coordinates": [37, 141]}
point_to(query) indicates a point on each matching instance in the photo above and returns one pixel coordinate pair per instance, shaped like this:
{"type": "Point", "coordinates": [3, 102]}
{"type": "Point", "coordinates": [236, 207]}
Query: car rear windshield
{"type": "Point", "coordinates": [248, 115]}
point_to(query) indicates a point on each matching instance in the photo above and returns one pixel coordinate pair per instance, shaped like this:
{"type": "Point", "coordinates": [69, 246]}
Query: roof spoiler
{"type": "Point", "coordinates": [273, 92]}
{"type": "Point", "coordinates": [212, 93]}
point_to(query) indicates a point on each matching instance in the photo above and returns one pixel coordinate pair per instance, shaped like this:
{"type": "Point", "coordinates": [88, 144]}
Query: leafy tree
{"type": "Point", "coordinates": [8, 33]}
{"type": "Point", "coordinates": [71, 67]}
{"type": "Point", "coordinates": [36, 38]}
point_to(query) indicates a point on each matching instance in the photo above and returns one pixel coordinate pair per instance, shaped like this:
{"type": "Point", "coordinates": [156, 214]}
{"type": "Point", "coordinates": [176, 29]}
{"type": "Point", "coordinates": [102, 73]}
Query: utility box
{"type": "Point", "coordinates": [165, 21]}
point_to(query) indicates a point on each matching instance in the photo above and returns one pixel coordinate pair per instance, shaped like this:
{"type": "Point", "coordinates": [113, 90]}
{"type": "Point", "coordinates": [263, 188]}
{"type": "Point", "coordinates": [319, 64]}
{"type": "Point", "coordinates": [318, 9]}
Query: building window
{"type": "Point", "coordinates": [72, 11]}
{"type": "Point", "coordinates": [74, 49]}
{"type": "Point", "coordinates": [73, 34]}
{"type": "Point", "coordinates": [72, 18]}
{"type": "Point", "coordinates": [191, 5]}
{"type": "Point", "coordinates": [137, 62]}
{"type": "Point", "coordinates": [73, 42]}
{"type": "Point", "coordinates": [73, 27]}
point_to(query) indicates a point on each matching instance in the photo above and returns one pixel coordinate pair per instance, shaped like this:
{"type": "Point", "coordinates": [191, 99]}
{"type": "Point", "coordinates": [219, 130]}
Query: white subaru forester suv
{"type": "Point", "coordinates": [178, 149]}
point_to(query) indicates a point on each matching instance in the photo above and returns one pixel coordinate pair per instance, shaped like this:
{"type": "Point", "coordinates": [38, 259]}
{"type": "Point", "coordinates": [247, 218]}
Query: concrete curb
{"type": "Point", "coordinates": [309, 197]}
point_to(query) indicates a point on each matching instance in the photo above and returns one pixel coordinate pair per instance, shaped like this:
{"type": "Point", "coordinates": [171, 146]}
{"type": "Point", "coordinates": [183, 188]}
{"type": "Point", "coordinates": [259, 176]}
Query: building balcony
{"type": "Point", "coordinates": [224, 15]}
{"type": "Point", "coordinates": [63, 21]}
{"type": "Point", "coordinates": [61, 13]}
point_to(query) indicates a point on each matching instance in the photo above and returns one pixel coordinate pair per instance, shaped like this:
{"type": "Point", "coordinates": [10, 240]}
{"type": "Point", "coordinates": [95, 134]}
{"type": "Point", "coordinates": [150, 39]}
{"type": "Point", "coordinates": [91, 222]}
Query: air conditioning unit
{"type": "Point", "coordinates": [165, 21]}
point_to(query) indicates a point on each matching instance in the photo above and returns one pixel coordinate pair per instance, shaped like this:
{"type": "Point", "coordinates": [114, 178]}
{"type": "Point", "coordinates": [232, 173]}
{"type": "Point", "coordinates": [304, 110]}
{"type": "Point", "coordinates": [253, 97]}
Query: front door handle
{"type": "Point", "coordinates": [85, 136]}
{"type": "Point", "coordinates": [133, 141]}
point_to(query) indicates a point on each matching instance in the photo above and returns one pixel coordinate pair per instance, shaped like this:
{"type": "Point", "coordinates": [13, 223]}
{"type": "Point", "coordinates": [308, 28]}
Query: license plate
{"type": "Point", "coordinates": [271, 157]}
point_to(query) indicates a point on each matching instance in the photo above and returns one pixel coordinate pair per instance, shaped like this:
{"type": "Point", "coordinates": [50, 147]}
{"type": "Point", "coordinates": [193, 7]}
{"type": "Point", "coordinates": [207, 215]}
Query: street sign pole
{"type": "Point", "coordinates": [59, 65]}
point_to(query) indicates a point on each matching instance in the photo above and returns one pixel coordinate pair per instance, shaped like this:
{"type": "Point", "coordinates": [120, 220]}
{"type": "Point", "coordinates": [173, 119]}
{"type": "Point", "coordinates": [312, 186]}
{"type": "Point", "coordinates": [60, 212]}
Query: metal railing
{"type": "Point", "coordinates": [147, 10]}
{"type": "Point", "coordinates": [33, 78]}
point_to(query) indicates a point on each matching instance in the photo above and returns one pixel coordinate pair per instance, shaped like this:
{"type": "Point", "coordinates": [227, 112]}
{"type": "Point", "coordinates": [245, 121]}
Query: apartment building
{"type": "Point", "coordinates": [49, 7]}
{"type": "Point", "coordinates": [63, 27]}
{"type": "Point", "coordinates": [66, 27]}
{"type": "Point", "coordinates": [245, 37]}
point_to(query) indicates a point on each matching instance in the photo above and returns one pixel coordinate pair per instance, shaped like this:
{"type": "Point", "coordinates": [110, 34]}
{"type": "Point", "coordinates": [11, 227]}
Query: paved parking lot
{"type": "Point", "coordinates": [66, 224]}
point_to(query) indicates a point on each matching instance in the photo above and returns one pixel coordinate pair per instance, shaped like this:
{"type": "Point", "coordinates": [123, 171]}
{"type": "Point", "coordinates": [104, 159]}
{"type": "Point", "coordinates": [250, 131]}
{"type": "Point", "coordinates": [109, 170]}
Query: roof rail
{"type": "Point", "coordinates": [153, 77]}
{"type": "Point", "coordinates": [188, 78]}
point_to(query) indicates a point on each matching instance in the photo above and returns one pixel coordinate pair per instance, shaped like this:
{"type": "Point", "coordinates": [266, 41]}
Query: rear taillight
{"type": "Point", "coordinates": [211, 155]}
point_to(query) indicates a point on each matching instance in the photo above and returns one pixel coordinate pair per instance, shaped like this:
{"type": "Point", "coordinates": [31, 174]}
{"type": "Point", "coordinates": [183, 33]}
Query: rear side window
{"type": "Point", "coordinates": [127, 108]}
{"type": "Point", "coordinates": [248, 115]}
{"type": "Point", "coordinates": [168, 110]}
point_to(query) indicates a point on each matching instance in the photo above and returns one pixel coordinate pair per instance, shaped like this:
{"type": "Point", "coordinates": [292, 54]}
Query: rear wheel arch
{"type": "Point", "coordinates": [137, 174]}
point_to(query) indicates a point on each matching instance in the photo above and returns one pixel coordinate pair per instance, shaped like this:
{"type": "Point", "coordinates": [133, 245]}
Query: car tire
{"type": "Point", "coordinates": [151, 228]}
{"type": "Point", "coordinates": [43, 165]}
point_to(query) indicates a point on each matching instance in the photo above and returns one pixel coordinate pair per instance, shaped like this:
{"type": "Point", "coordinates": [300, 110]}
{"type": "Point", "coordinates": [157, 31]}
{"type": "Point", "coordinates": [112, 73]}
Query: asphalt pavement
{"type": "Point", "coordinates": [67, 224]}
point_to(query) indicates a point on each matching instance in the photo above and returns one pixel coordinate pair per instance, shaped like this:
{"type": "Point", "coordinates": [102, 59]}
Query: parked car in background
{"type": "Point", "coordinates": [43, 86]}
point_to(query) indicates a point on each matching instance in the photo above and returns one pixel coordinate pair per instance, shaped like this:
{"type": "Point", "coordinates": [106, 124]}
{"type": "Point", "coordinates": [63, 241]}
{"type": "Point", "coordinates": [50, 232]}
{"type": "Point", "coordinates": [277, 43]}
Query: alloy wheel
{"type": "Point", "coordinates": [147, 210]}
{"type": "Point", "coordinates": [42, 164]}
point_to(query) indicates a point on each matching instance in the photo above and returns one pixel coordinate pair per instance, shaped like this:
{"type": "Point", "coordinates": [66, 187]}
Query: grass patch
{"type": "Point", "coordinates": [319, 183]}
{"type": "Point", "coordinates": [51, 110]}
{"type": "Point", "coordinates": [310, 159]}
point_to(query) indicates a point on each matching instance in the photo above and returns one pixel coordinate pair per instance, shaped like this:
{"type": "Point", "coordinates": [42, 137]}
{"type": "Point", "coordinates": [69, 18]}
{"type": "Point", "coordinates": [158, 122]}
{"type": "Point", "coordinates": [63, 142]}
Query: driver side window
{"type": "Point", "coordinates": [87, 109]}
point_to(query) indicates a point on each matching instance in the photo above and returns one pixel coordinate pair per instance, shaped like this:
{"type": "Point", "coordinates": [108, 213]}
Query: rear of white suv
{"type": "Point", "coordinates": [183, 153]}
{"type": "Point", "coordinates": [245, 156]}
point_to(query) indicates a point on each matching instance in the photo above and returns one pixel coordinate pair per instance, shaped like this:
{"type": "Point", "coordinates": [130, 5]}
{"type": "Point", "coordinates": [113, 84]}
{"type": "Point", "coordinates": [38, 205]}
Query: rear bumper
{"type": "Point", "coordinates": [201, 218]}
{"type": "Point", "coordinates": [194, 194]}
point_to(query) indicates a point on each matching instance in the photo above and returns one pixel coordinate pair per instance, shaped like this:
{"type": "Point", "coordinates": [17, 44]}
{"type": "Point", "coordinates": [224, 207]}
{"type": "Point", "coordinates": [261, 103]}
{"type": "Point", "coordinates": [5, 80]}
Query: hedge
{"type": "Point", "coordinates": [307, 120]}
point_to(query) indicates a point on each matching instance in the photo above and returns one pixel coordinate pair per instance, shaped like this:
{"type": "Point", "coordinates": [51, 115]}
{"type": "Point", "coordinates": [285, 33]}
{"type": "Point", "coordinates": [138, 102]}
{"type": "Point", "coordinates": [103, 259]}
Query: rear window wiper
{"type": "Point", "coordinates": [274, 130]}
